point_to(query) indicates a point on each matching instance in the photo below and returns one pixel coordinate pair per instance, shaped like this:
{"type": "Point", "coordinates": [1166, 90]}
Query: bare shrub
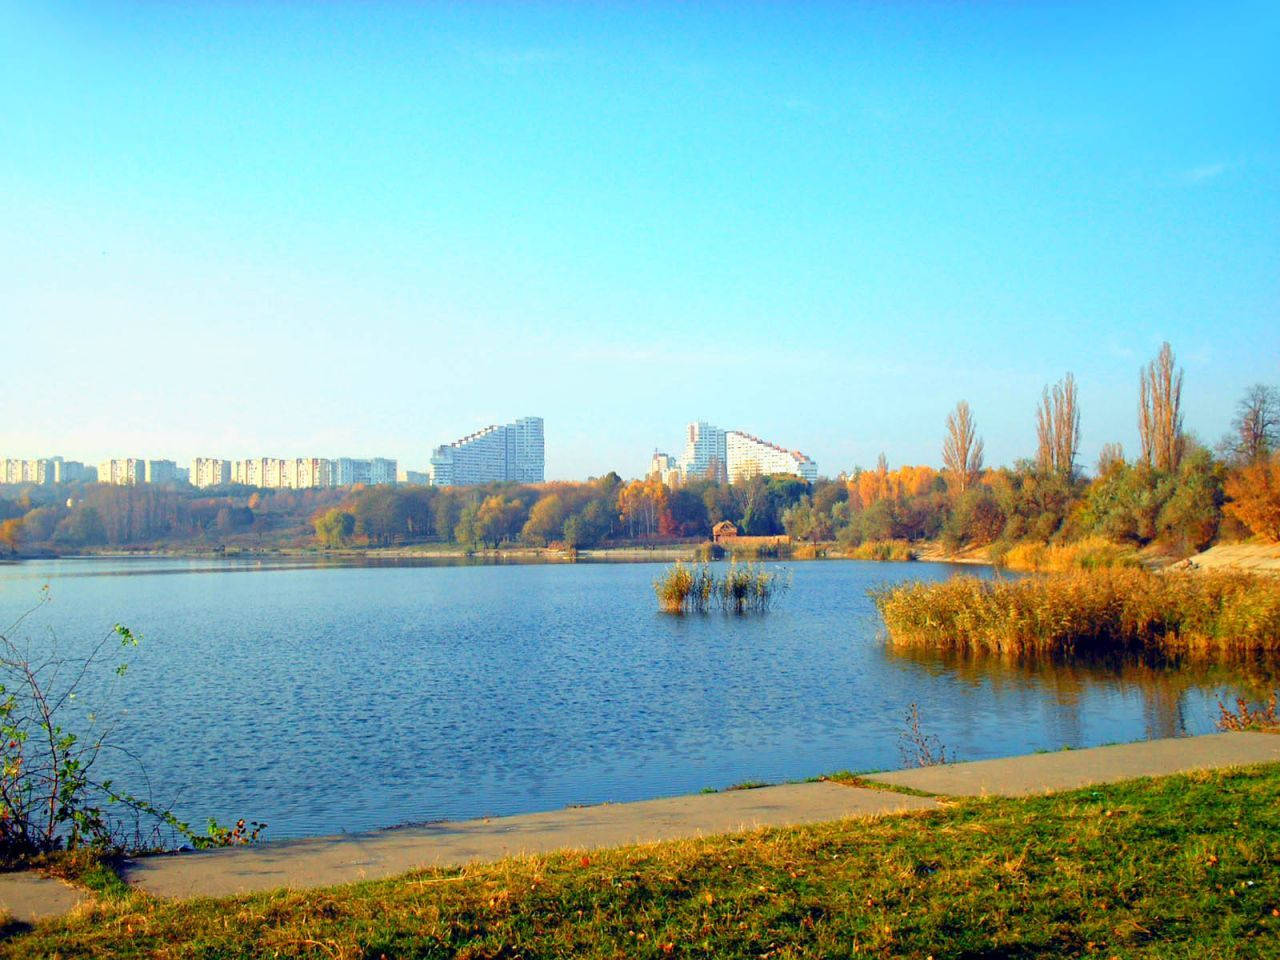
{"type": "Point", "coordinates": [919, 749]}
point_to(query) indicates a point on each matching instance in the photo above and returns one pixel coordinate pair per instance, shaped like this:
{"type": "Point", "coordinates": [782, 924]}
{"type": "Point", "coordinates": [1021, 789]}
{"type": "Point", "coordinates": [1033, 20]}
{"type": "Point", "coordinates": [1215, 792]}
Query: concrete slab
{"type": "Point", "coordinates": [1069, 769]}
{"type": "Point", "coordinates": [28, 897]}
{"type": "Point", "coordinates": [323, 861]}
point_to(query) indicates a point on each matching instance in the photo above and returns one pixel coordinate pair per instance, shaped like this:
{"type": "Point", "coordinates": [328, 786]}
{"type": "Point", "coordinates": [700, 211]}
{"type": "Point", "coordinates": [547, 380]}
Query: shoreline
{"type": "Point", "coordinates": [925, 552]}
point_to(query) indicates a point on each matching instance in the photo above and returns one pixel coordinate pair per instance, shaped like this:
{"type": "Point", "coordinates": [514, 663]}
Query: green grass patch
{"type": "Point", "coordinates": [1185, 866]}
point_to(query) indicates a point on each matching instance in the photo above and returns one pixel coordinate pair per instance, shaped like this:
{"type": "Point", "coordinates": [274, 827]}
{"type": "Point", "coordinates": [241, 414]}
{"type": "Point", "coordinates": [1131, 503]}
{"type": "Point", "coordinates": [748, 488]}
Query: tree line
{"type": "Point", "coordinates": [1177, 492]}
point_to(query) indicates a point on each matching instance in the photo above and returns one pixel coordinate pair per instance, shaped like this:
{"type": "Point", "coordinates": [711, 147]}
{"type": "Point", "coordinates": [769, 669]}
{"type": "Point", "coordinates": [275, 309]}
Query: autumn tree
{"type": "Point", "coordinates": [1254, 492]}
{"type": "Point", "coordinates": [1160, 412]}
{"type": "Point", "coordinates": [497, 519]}
{"type": "Point", "coordinates": [10, 534]}
{"type": "Point", "coordinates": [1255, 431]}
{"type": "Point", "coordinates": [1058, 428]}
{"type": "Point", "coordinates": [1110, 456]}
{"type": "Point", "coordinates": [962, 448]}
{"type": "Point", "coordinates": [641, 505]}
{"type": "Point", "coordinates": [546, 520]}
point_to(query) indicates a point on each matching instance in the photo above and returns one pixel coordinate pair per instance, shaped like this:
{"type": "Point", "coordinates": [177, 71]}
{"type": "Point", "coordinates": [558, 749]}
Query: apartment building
{"type": "Point", "coordinates": [124, 471]}
{"type": "Point", "coordinates": [500, 453]}
{"type": "Point", "coordinates": [665, 468]}
{"type": "Point", "coordinates": [210, 472]}
{"type": "Point", "coordinates": [413, 478]}
{"type": "Point", "coordinates": [748, 456]}
{"type": "Point", "coordinates": [161, 471]}
{"type": "Point", "coordinates": [705, 456]}
{"type": "Point", "coordinates": [309, 472]}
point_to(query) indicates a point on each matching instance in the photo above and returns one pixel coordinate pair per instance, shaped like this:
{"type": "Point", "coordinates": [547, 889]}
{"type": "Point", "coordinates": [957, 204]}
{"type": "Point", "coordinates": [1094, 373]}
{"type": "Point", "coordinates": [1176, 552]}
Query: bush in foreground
{"type": "Point", "coordinates": [52, 801]}
{"type": "Point", "coordinates": [1089, 613]}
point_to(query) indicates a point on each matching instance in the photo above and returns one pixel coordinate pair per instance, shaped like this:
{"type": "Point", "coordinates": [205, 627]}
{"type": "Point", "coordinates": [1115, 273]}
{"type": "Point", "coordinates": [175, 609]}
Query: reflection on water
{"type": "Point", "coordinates": [346, 697]}
{"type": "Point", "coordinates": [1162, 684]}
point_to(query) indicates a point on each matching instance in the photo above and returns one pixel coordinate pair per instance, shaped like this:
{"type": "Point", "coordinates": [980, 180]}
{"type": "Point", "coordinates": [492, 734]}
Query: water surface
{"type": "Point", "coordinates": [324, 699]}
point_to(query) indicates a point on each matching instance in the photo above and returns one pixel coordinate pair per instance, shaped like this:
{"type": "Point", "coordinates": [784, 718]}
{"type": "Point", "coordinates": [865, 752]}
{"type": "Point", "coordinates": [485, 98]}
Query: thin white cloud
{"type": "Point", "coordinates": [511, 59]}
{"type": "Point", "coordinates": [1204, 172]}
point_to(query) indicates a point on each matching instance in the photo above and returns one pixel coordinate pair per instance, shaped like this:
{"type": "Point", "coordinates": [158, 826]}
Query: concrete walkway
{"type": "Point", "coordinates": [28, 897]}
{"type": "Point", "coordinates": [328, 860]}
{"type": "Point", "coordinates": [324, 861]}
{"type": "Point", "coordinates": [1070, 769]}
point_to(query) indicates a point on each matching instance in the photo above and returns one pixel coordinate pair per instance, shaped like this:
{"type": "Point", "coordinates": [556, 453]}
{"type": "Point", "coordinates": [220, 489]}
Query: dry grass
{"type": "Point", "coordinates": [883, 551]}
{"type": "Point", "coordinates": [1091, 553]}
{"type": "Point", "coordinates": [1089, 613]}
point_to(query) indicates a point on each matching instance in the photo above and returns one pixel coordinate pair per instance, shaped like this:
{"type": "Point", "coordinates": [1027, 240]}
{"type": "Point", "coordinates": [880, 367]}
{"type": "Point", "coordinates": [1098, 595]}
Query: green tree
{"type": "Point", "coordinates": [335, 527]}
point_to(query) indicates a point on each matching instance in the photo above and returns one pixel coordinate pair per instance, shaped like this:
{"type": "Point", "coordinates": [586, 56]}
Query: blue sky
{"type": "Point", "coordinates": [244, 229]}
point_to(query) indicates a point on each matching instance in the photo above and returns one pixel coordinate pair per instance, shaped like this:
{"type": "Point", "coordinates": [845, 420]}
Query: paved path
{"type": "Point", "coordinates": [324, 861]}
{"type": "Point", "coordinates": [1069, 769]}
{"type": "Point", "coordinates": [28, 897]}
{"type": "Point", "coordinates": [328, 860]}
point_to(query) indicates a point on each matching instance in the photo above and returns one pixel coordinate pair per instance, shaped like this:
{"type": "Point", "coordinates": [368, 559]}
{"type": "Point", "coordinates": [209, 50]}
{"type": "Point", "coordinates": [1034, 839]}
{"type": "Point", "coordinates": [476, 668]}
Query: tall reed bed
{"type": "Point", "coordinates": [1089, 613]}
{"type": "Point", "coordinates": [695, 588]}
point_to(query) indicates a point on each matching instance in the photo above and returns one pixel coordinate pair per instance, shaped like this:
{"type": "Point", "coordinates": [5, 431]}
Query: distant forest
{"type": "Point", "coordinates": [1176, 493]}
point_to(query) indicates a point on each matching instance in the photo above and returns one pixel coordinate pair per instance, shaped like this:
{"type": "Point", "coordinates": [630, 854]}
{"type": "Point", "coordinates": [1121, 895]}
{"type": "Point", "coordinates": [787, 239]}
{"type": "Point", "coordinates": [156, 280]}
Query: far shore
{"type": "Point", "coordinates": [1245, 557]}
{"type": "Point", "coordinates": [656, 553]}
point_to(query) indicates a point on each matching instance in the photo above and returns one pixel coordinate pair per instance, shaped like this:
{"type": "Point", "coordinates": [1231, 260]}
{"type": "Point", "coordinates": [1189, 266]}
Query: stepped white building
{"type": "Point", "coordinates": [513, 452]}
{"type": "Point", "coordinates": [732, 456]}
{"type": "Point", "coordinates": [748, 456]}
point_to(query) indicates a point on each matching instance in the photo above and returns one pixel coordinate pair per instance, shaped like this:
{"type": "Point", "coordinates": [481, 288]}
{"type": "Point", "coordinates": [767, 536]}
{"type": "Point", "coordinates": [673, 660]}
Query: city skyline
{"type": "Point", "coordinates": [844, 216]}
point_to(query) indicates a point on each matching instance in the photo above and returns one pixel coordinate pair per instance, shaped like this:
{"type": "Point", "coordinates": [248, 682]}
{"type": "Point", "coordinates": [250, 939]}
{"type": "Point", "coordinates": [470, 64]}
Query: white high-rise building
{"type": "Point", "coordinates": [666, 468]}
{"type": "Point", "coordinates": [250, 473]}
{"type": "Point", "coordinates": [382, 470]}
{"type": "Point", "coordinates": [161, 471]}
{"type": "Point", "coordinates": [348, 471]}
{"type": "Point", "coordinates": [748, 456]}
{"type": "Point", "coordinates": [124, 471]}
{"type": "Point", "coordinates": [40, 471]}
{"type": "Point", "coordinates": [71, 471]}
{"type": "Point", "coordinates": [210, 472]}
{"type": "Point", "coordinates": [513, 452]}
{"type": "Point", "coordinates": [309, 472]}
{"type": "Point", "coordinates": [705, 456]}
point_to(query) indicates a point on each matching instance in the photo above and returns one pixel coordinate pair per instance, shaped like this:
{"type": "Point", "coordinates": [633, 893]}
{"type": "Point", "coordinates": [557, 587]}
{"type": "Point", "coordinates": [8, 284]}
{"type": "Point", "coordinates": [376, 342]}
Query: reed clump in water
{"type": "Point", "coordinates": [695, 588]}
{"type": "Point", "coordinates": [1097, 612]}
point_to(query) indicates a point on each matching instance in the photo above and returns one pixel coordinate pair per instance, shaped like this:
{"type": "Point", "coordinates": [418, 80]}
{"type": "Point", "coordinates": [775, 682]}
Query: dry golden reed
{"type": "Point", "coordinates": [695, 588]}
{"type": "Point", "coordinates": [884, 551]}
{"type": "Point", "coordinates": [1099, 612]}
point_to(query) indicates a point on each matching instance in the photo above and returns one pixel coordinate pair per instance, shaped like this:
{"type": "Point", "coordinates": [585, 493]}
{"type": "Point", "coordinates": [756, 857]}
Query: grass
{"type": "Point", "coordinates": [1091, 553]}
{"type": "Point", "coordinates": [1185, 866]}
{"type": "Point", "coordinates": [1089, 613]}
{"type": "Point", "coordinates": [883, 551]}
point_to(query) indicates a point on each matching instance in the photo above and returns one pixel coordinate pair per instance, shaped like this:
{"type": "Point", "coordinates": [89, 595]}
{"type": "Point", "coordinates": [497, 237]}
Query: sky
{"type": "Point", "coordinates": [365, 229]}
